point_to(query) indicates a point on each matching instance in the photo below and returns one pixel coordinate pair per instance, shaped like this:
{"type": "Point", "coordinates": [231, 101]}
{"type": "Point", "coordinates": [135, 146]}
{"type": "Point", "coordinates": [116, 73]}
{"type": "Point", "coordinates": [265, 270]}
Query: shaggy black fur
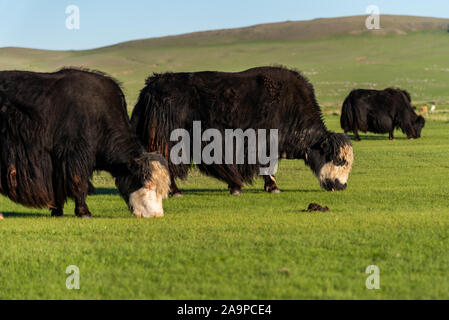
{"type": "Point", "coordinates": [259, 98]}
{"type": "Point", "coordinates": [57, 129]}
{"type": "Point", "coordinates": [381, 112]}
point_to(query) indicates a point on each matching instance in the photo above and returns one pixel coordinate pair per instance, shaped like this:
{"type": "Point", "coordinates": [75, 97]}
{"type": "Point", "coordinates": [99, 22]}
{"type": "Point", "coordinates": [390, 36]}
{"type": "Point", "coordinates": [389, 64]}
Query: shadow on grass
{"type": "Point", "coordinates": [9, 215]}
{"type": "Point", "coordinates": [249, 191]}
{"type": "Point", "coordinates": [69, 215]}
{"type": "Point", "coordinates": [194, 191]}
{"type": "Point", "coordinates": [301, 191]}
{"type": "Point", "coordinates": [374, 138]}
{"type": "Point", "coordinates": [106, 192]}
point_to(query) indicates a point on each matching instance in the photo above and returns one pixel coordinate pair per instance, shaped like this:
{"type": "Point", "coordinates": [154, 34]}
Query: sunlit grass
{"type": "Point", "coordinates": [210, 245]}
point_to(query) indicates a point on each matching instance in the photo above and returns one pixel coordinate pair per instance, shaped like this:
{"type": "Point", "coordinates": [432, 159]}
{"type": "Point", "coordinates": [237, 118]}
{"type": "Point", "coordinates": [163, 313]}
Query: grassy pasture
{"type": "Point", "coordinates": [211, 245]}
{"type": "Point", "coordinates": [335, 65]}
{"type": "Point", "coordinates": [395, 213]}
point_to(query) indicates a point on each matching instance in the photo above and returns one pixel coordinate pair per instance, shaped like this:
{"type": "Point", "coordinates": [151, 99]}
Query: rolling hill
{"type": "Point", "coordinates": [336, 54]}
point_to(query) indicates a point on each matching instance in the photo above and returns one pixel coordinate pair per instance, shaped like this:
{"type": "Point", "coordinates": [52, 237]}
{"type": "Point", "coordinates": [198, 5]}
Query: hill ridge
{"type": "Point", "coordinates": [302, 30]}
{"type": "Point", "coordinates": [314, 29]}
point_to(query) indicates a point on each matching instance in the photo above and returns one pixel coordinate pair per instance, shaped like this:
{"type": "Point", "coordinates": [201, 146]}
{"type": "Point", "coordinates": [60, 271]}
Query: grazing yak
{"type": "Point", "coordinates": [271, 98]}
{"type": "Point", "coordinates": [380, 112]}
{"type": "Point", "coordinates": [58, 128]}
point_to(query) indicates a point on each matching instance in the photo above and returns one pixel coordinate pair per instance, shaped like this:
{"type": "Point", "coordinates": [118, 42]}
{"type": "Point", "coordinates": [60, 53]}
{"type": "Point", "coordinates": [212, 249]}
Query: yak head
{"type": "Point", "coordinates": [144, 185]}
{"type": "Point", "coordinates": [331, 160]}
{"type": "Point", "coordinates": [413, 131]}
{"type": "Point", "coordinates": [418, 125]}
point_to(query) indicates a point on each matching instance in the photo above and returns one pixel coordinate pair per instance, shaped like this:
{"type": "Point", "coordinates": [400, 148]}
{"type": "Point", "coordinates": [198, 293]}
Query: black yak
{"type": "Point", "coordinates": [259, 98]}
{"type": "Point", "coordinates": [380, 112]}
{"type": "Point", "coordinates": [58, 128]}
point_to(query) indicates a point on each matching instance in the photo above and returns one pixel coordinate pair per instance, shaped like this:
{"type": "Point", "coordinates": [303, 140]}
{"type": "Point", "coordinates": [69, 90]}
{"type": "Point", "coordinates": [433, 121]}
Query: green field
{"type": "Point", "coordinates": [210, 245]}
{"type": "Point", "coordinates": [335, 65]}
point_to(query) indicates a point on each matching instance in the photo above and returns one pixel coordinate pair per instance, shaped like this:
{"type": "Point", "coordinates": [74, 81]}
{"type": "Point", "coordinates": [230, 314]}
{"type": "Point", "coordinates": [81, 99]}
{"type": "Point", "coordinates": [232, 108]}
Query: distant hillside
{"type": "Point", "coordinates": [337, 55]}
{"type": "Point", "coordinates": [300, 30]}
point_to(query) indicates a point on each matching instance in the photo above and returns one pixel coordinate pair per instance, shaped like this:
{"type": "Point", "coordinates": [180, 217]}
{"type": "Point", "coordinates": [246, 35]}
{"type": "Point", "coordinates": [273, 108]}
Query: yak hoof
{"type": "Point", "coordinates": [272, 190]}
{"type": "Point", "coordinates": [84, 215]}
{"type": "Point", "coordinates": [177, 195]}
{"type": "Point", "coordinates": [236, 192]}
{"type": "Point", "coordinates": [57, 213]}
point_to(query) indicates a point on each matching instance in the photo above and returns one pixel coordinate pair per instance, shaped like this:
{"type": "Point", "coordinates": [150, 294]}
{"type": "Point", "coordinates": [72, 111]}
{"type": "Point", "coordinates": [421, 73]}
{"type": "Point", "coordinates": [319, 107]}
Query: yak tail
{"type": "Point", "coordinates": [147, 121]}
{"type": "Point", "coordinates": [152, 121]}
{"type": "Point", "coordinates": [347, 115]}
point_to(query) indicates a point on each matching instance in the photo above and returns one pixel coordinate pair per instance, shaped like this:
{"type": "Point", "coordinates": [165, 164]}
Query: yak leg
{"type": "Point", "coordinates": [174, 190]}
{"type": "Point", "coordinates": [58, 211]}
{"type": "Point", "coordinates": [81, 190]}
{"type": "Point", "coordinates": [91, 189]}
{"type": "Point", "coordinates": [235, 189]}
{"type": "Point", "coordinates": [356, 135]}
{"type": "Point", "coordinates": [60, 197]}
{"type": "Point", "coordinates": [81, 208]}
{"type": "Point", "coordinates": [391, 135]}
{"type": "Point", "coordinates": [270, 185]}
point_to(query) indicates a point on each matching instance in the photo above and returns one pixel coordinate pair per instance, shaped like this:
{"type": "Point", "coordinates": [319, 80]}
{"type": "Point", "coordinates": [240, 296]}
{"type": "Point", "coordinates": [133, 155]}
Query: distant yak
{"type": "Point", "coordinates": [260, 98]}
{"type": "Point", "coordinates": [380, 112]}
{"type": "Point", "coordinates": [58, 128]}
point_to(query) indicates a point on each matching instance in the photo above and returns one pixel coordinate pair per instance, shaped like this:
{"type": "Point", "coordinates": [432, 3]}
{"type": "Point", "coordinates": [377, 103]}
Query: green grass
{"type": "Point", "coordinates": [395, 213]}
{"type": "Point", "coordinates": [211, 245]}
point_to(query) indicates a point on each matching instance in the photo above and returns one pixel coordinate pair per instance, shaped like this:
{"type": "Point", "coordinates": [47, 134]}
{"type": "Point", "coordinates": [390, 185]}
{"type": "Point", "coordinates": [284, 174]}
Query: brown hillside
{"type": "Point", "coordinates": [299, 30]}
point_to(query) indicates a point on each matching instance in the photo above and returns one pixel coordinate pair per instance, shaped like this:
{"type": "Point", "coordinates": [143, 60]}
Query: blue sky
{"type": "Point", "coordinates": [42, 23]}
